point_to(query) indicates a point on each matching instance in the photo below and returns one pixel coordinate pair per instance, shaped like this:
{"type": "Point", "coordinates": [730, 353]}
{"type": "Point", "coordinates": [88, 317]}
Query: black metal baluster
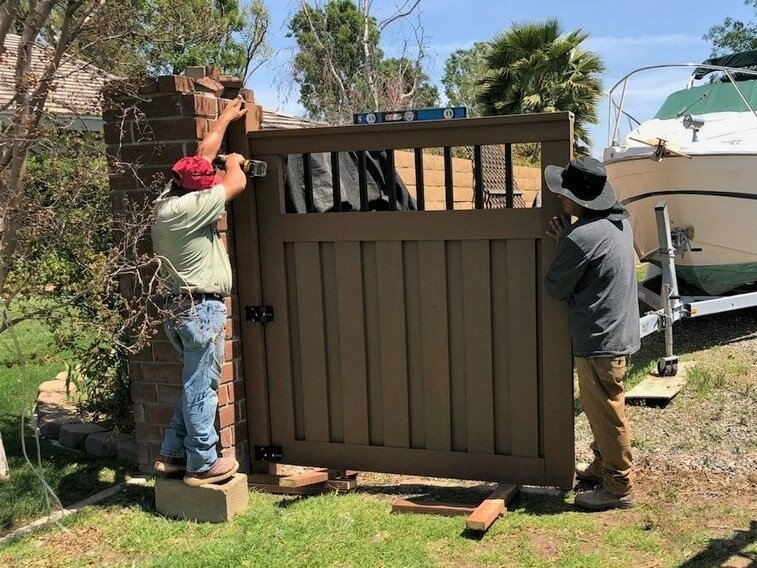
{"type": "Point", "coordinates": [420, 196]}
{"type": "Point", "coordinates": [478, 174]}
{"type": "Point", "coordinates": [308, 174]}
{"type": "Point", "coordinates": [336, 182]}
{"type": "Point", "coordinates": [448, 185]}
{"type": "Point", "coordinates": [362, 180]}
{"type": "Point", "coordinates": [509, 185]}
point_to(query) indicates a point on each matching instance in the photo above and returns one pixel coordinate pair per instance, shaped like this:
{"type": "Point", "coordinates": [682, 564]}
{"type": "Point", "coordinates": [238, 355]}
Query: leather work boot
{"type": "Point", "coordinates": [222, 470]}
{"type": "Point", "coordinates": [168, 465]}
{"type": "Point", "coordinates": [601, 500]}
{"type": "Point", "coordinates": [589, 473]}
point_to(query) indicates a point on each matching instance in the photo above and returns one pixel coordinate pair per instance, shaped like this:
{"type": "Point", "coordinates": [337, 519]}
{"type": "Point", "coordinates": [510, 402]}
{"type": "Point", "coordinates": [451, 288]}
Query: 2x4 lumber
{"type": "Point", "coordinates": [427, 508]}
{"type": "Point", "coordinates": [491, 508]}
{"type": "Point", "coordinates": [303, 479]}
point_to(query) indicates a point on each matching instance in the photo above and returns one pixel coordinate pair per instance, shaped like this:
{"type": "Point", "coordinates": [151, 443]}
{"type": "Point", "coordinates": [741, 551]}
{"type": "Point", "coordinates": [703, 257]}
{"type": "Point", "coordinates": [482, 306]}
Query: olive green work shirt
{"type": "Point", "coordinates": [185, 238]}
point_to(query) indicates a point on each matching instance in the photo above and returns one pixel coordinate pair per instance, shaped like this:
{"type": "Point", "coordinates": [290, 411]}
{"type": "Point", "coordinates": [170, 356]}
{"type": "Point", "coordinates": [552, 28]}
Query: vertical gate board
{"type": "Point", "coordinates": [524, 410]}
{"type": "Point", "coordinates": [349, 283]}
{"type": "Point", "coordinates": [331, 301]}
{"type": "Point", "coordinates": [555, 355]}
{"type": "Point", "coordinates": [278, 350]}
{"type": "Point", "coordinates": [312, 342]}
{"type": "Point", "coordinates": [373, 342]}
{"type": "Point", "coordinates": [478, 348]}
{"type": "Point", "coordinates": [391, 304]}
{"type": "Point", "coordinates": [456, 330]}
{"type": "Point", "coordinates": [250, 293]}
{"type": "Point", "coordinates": [414, 345]}
{"type": "Point", "coordinates": [297, 398]}
{"type": "Point", "coordinates": [500, 354]}
{"type": "Point", "coordinates": [432, 268]}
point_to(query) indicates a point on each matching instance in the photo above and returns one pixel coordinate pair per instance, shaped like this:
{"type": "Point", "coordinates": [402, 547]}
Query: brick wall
{"type": "Point", "coordinates": [145, 134]}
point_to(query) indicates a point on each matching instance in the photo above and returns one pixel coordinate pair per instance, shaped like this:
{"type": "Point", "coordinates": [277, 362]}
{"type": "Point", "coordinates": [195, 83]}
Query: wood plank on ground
{"type": "Point", "coordinates": [491, 508]}
{"type": "Point", "coordinates": [431, 508]}
{"type": "Point", "coordinates": [656, 388]}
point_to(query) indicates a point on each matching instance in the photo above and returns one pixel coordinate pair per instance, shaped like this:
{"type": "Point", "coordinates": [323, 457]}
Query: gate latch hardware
{"type": "Point", "coordinates": [267, 453]}
{"type": "Point", "coordinates": [260, 314]}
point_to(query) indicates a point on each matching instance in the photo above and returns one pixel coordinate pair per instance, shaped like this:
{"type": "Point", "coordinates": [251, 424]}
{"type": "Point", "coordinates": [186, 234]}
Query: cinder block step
{"type": "Point", "coordinates": [104, 444]}
{"type": "Point", "coordinates": [212, 503]}
{"type": "Point", "coordinates": [75, 435]}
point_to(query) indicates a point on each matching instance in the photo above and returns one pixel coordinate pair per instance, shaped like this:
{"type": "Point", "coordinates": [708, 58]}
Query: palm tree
{"type": "Point", "coordinates": [533, 67]}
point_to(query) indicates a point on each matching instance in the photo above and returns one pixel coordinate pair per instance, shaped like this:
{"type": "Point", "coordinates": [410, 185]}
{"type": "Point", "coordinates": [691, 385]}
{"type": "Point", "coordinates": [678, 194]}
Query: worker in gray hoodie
{"type": "Point", "coordinates": [594, 272]}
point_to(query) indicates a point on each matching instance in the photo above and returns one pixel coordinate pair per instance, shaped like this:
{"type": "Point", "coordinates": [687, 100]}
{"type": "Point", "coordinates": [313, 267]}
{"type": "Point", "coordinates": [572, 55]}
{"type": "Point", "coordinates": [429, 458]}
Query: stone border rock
{"type": "Point", "coordinates": [57, 419]}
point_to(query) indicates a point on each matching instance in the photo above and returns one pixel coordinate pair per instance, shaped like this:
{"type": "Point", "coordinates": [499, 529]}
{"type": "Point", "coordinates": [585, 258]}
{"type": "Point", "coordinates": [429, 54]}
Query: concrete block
{"type": "Point", "coordinates": [212, 503]}
{"type": "Point", "coordinates": [127, 451]}
{"type": "Point", "coordinates": [75, 435]}
{"type": "Point", "coordinates": [104, 444]}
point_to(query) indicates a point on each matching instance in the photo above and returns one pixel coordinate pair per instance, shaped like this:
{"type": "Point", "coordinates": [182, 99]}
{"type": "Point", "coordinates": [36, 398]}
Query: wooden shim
{"type": "Point", "coordinates": [344, 484]}
{"type": "Point", "coordinates": [302, 479]}
{"type": "Point", "coordinates": [491, 508]}
{"type": "Point", "coordinates": [305, 490]}
{"type": "Point", "coordinates": [430, 508]}
{"type": "Point", "coordinates": [656, 388]}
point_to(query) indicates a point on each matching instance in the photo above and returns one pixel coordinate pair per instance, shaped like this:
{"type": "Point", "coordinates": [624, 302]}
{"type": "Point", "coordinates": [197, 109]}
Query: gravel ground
{"type": "Point", "coordinates": [710, 426]}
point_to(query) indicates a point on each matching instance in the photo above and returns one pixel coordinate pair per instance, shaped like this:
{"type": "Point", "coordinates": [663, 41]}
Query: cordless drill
{"type": "Point", "coordinates": [253, 168]}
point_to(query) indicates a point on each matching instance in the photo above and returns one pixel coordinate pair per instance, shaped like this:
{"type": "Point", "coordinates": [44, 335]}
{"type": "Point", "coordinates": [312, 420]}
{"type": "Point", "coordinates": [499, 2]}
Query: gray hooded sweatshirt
{"type": "Point", "coordinates": [595, 272]}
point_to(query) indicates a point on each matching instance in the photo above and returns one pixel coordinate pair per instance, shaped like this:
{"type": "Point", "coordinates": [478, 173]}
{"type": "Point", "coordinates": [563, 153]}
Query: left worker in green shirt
{"type": "Point", "coordinates": [195, 262]}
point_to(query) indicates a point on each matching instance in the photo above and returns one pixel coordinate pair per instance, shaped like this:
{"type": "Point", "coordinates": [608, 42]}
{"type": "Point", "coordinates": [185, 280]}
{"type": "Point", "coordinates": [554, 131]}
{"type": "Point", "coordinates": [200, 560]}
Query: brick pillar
{"type": "Point", "coordinates": [145, 134]}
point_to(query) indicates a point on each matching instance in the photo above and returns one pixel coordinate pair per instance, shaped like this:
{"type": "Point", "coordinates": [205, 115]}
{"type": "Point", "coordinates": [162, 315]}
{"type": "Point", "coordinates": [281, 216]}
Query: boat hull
{"type": "Point", "coordinates": [716, 195]}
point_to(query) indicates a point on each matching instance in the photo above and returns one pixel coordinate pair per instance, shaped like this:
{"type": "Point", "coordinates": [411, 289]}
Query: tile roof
{"type": "Point", "coordinates": [77, 85]}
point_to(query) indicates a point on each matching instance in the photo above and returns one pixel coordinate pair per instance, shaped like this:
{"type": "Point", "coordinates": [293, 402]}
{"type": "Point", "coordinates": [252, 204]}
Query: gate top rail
{"type": "Point", "coordinates": [516, 129]}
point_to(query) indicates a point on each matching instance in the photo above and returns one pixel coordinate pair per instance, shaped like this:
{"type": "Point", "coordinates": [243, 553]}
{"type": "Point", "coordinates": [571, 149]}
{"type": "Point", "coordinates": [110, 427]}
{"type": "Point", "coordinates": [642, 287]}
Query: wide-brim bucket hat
{"type": "Point", "coordinates": [583, 180]}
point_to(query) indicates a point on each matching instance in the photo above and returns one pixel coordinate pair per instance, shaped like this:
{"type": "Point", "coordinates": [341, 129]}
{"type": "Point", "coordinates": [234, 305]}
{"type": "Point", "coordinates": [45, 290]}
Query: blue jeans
{"type": "Point", "coordinates": [197, 333]}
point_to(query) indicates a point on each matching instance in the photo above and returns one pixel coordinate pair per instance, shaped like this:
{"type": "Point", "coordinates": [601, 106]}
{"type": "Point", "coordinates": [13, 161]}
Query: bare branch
{"type": "Point", "coordinates": [402, 12]}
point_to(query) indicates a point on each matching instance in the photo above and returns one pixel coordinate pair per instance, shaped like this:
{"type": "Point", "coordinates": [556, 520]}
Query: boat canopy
{"type": "Point", "coordinates": [713, 97]}
{"type": "Point", "coordinates": [739, 60]}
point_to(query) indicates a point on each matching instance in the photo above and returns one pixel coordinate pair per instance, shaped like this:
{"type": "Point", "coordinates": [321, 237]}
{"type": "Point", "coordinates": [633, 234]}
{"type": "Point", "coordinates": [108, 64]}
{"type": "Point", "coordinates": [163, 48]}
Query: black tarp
{"type": "Point", "coordinates": [743, 59]}
{"type": "Point", "coordinates": [323, 193]}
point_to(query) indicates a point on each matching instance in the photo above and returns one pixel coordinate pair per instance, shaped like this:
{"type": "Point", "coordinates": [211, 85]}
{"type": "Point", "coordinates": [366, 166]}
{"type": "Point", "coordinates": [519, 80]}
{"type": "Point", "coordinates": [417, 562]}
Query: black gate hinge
{"type": "Point", "coordinates": [267, 453]}
{"type": "Point", "coordinates": [260, 314]}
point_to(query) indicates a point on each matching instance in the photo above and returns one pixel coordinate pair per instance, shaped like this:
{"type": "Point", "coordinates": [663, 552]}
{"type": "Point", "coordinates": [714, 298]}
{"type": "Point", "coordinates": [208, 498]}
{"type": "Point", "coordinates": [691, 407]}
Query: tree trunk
{"type": "Point", "coordinates": [4, 470]}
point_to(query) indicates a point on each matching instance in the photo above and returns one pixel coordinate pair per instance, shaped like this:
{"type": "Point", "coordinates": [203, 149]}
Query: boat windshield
{"type": "Point", "coordinates": [712, 97]}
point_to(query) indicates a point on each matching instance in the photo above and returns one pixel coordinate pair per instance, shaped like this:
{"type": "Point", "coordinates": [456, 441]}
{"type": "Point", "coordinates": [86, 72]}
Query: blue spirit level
{"type": "Point", "coordinates": [410, 115]}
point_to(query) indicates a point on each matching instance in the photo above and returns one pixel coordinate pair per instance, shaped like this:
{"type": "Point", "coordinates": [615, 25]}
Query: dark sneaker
{"type": "Point", "coordinates": [601, 500]}
{"type": "Point", "coordinates": [589, 473]}
{"type": "Point", "coordinates": [168, 465]}
{"type": "Point", "coordinates": [222, 470]}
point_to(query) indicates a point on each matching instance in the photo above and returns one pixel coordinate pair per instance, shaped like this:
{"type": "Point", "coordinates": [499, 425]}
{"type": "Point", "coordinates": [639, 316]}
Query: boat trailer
{"type": "Point", "coordinates": [668, 304]}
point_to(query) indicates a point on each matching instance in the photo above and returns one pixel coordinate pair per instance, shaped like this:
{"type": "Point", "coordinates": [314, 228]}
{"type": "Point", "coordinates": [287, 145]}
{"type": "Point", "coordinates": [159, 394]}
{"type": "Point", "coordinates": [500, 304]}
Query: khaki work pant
{"type": "Point", "coordinates": [601, 381]}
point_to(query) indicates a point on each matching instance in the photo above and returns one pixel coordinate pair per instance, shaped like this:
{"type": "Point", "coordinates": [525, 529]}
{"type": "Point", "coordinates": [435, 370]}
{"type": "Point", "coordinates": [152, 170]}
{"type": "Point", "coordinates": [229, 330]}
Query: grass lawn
{"type": "Point", "coordinates": [73, 475]}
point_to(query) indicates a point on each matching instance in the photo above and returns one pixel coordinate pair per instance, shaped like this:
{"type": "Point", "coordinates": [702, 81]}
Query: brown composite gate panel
{"type": "Point", "coordinates": [416, 342]}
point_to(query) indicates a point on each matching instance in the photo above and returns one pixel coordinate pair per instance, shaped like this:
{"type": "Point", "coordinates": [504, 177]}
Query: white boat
{"type": "Point", "coordinates": [699, 154]}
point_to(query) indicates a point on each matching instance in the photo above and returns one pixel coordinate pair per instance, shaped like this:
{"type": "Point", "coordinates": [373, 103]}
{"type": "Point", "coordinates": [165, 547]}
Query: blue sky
{"type": "Point", "coordinates": [627, 35]}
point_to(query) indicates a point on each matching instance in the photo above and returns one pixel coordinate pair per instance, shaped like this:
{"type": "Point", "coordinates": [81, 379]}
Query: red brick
{"type": "Point", "coordinates": [223, 395]}
{"type": "Point", "coordinates": [198, 105]}
{"type": "Point", "coordinates": [209, 85]}
{"type": "Point", "coordinates": [195, 72]}
{"type": "Point", "coordinates": [223, 223]}
{"type": "Point", "coordinates": [229, 329]}
{"type": "Point", "coordinates": [254, 117]}
{"type": "Point", "coordinates": [175, 84]}
{"type": "Point", "coordinates": [135, 371]}
{"type": "Point", "coordinates": [181, 128]}
{"type": "Point", "coordinates": [164, 351]}
{"type": "Point", "coordinates": [117, 132]}
{"type": "Point", "coordinates": [162, 373]}
{"type": "Point", "coordinates": [248, 95]}
{"type": "Point", "coordinates": [142, 392]}
{"type": "Point", "coordinates": [227, 372]}
{"type": "Point", "coordinates": [226, 416]}
{"type": "Point", "coordinates": [158, 414]}
{"type": "Point", "coordinates": [161, 105]}
{"type": "Point", "coordinates": [149, 85]}
{"type": "Point", "coordinates": [169, 394]}
{"type": "Point", "coordinates": [143, 154]}
{"type": "Point", "coordinates": [139, 413]}
{"type": "Point", "coordinates": [147, 433]}
{"type": "Point", "coordinates": [144, 354]}
{"type": "Point", "coordinates": [232, 349]}
{"type": "Point", "coordinates": [227, 437]}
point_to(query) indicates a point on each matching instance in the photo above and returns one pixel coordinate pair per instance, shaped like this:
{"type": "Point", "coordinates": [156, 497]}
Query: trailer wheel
{"type": "Point", "coordinates": [667, 367]}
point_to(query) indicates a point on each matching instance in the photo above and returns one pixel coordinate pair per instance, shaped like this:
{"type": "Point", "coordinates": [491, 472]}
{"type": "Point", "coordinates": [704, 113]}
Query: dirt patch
{"type": "Point", "coordinates": [87, 544]}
